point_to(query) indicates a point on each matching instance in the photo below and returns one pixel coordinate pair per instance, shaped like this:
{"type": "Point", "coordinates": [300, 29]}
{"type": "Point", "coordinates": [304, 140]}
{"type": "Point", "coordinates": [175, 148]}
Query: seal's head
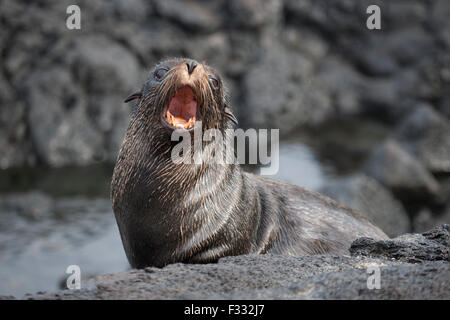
{"type": "Point", "coordinates": [179, 92]}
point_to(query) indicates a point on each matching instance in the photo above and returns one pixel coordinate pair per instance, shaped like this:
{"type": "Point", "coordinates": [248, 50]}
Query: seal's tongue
{"type": "Point", "coordinates": [182, 109]}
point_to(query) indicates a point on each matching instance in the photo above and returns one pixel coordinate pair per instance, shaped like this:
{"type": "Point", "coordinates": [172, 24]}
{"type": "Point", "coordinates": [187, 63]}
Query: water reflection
{"type": "Point", "coordinates": [299, 166]}
{"type": "Point", "coordinates": [40, 236]}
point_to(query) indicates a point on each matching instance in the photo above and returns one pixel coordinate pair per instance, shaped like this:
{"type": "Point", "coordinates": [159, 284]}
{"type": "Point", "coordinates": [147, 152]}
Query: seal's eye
{"type": "Point", "coordinates": [159, 73]}
{"type": "Point", "coordinates": [214, 82]}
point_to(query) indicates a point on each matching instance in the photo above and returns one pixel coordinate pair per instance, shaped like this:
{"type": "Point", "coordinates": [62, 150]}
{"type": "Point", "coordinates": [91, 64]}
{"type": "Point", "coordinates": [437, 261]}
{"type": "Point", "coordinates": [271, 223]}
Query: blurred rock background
{"type": "Point", "coordinates": [363, 114]}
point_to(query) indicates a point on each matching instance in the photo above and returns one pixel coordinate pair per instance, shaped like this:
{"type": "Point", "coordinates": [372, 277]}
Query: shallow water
{"type": "Point", "coordinates": [41, 236]}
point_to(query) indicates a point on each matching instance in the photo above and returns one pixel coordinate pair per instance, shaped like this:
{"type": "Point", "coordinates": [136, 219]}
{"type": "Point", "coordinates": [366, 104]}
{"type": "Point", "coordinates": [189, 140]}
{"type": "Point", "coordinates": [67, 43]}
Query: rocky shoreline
{"type": "Point", "coordinates": [412, 266]}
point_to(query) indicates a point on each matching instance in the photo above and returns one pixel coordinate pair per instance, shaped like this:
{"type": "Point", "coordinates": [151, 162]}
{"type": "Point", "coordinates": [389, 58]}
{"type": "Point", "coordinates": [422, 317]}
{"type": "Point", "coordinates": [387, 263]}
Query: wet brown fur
{"type": "Point", "coordinates": [198, 213]}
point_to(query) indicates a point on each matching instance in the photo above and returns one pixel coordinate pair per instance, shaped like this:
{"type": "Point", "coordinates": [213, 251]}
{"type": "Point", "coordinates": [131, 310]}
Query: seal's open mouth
{"type": "Point", "coordinates": [182, 109]}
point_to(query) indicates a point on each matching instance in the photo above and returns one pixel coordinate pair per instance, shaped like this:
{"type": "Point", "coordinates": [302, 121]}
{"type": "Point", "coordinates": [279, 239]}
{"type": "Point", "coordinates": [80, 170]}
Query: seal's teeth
{"type": "Point", "coordinates": [170, 118]}
{"type": "Point", "coordinates": [191, 122]}
{"type": "Point", "coordinates": [179, 122]}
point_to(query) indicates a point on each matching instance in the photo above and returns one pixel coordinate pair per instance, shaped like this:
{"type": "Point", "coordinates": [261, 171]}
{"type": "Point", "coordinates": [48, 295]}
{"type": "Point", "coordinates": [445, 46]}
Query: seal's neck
{"type": "Point", "coordinates": [150, 167]}
{"type": "Point", "coordinates": [167, 208]}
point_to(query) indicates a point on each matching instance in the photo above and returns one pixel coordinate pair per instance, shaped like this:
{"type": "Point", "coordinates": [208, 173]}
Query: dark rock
{"type": "Point", "coordinates": [289, 63]}
{"type": "Point", "coordinates": [409, 46]}
{"type": "Point", "coordinates": [289, 97]}
{"type": "Point", "coordinates": [72, 119]}
{"type": "Point", "coordinates": [228, 277]}
{"type": "Point", "coordinates": [439, 234]}
{"type": "Point", "coordinates": [245, 51]}
{"type": "Point", "coordinates": [136, 10]}
{"type": "Point", "coordinates": [397, 170]}
{"type": "Point", "coordinates": [343, 83]}
{"type": "Point", "coordinates": [195, 15]}
{"type": "Point", "coordinates": [148, 52]}
{"type": "Point", "coordinates": [14, 138]}
{"type": "Point", "coordinates": [391, 98]}
{"type": "Point", "coordinates": [433, 245]}
{"type": "Point", "coordinates": [444, 193]}
{"type": "Point", "coordinates": [426, 281]}
{"type": "Point", "coordinates": [213, 48]}
{"type": "Point", "coordinates": [59, 123]}
{"type": "Point", "coordinates": [271, 277]}
{"type": "Point", "coordinates": [375, 61]}
{"type": "Point", "coordinates": [426, 135]}
{"type": "Point", "coordinates": [331, 16]}
{"type": "Point", "coordinates": [381, 99]}
{"type": "Point", "coordinates": [255, 13]}
{"type": "Point", "coordinates": [314, 11]}
{"type": "Point", "coordinates": [372, 200]}
{"type": "Point", "coordinates": [306, 42]}
{"type": "Point", "coordinates": [439, 21]}
{"type": "Point", "coordinates": [405, 13]}
{"type": "Point", "coordinates": [426, 219]}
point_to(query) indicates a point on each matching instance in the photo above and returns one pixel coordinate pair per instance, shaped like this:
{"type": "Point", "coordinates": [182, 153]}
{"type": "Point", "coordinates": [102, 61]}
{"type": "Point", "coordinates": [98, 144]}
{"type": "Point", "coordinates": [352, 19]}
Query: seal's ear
{"type": "Point", "coordinates": [136, 95]}
{"type": "Point", "coordinates": [229, 114]}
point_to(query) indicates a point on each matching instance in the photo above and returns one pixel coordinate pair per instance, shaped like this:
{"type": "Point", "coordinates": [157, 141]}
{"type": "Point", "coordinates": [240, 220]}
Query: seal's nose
{"type": "Point", "coordinates": [191, 64]}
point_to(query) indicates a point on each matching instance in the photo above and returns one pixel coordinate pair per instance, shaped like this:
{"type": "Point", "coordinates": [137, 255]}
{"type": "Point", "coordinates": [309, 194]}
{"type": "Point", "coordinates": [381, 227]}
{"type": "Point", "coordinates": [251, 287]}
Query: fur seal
{"type": "Point", "coordinates": [198, 213]}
